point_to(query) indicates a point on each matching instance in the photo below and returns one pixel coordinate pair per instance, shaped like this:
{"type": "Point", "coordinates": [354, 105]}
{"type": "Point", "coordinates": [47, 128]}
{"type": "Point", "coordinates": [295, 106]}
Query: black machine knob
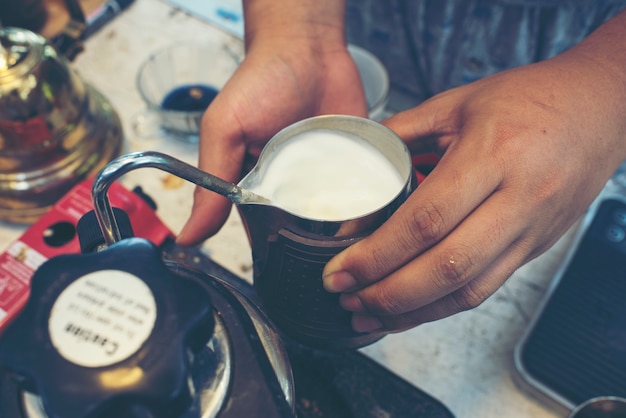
{"type": "Point", "coordinates": [112, 336]}
{"type": "Point", "coordinates": [89, 232]}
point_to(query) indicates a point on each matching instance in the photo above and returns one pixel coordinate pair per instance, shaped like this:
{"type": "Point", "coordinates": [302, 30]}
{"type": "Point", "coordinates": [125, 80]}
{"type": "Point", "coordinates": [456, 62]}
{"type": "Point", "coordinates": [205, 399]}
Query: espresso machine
{"type": "Point", "coordinates": [138, 329]}
{"type": "Point", "coordinates": [134, 327]}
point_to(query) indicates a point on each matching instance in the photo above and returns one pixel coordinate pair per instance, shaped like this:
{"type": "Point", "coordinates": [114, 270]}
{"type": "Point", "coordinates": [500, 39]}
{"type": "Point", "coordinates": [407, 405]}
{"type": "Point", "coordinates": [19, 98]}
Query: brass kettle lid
{"type": "Point", "coordinates": [20, 51]}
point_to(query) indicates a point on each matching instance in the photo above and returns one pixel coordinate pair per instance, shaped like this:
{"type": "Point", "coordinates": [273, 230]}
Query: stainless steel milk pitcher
{"type": "Point", "coordinates": [289, 252]}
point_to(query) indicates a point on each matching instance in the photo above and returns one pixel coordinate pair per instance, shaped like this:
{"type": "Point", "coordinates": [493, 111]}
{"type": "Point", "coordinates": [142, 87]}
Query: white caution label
{"type": "Point", "coordinates": [102, 318]}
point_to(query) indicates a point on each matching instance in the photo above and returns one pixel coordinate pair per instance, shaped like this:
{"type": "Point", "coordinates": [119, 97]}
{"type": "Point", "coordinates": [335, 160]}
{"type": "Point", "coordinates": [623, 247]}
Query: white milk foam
{"type": "Point", "coordinates": [328, 175]}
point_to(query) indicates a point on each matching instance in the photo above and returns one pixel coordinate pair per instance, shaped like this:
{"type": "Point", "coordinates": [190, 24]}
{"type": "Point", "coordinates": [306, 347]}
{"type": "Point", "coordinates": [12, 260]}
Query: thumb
{"type": "Point", "coordinates": [209, 212]}
{"type": "Point", "coordinates": [222, 158]}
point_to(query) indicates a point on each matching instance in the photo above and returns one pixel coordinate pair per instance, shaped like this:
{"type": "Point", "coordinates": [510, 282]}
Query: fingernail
{"type": "Point", "coordinates": [365, 323]}
{"type": "Point", "coordinates": [351, 302]}
{"type": "Point", "coordinates": [339, 282]}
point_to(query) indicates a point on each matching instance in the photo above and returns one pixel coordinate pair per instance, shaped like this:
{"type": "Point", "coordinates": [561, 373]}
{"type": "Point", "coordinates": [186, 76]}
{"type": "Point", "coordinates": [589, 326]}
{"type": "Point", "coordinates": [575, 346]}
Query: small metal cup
{"type": "Point", "coordinates": [601, 407]}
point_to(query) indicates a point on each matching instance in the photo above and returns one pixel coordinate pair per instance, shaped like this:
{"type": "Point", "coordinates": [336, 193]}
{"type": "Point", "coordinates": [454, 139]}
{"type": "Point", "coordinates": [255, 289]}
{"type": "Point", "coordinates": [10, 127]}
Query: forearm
{"type": "Point", "coordinates": [601, 61]}
{"type": "Point", "coordinates": [607, 45]}
{"type": "Point", "coordinates": [319, 22]}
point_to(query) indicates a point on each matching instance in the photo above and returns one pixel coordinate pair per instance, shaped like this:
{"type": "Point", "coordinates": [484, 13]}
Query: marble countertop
{"type": "Point", "coordinates": [465, 361]}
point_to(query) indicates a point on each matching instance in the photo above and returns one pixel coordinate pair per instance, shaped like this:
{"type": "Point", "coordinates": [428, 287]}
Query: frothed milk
{"type": "Point", "coordinates": [328, 175]}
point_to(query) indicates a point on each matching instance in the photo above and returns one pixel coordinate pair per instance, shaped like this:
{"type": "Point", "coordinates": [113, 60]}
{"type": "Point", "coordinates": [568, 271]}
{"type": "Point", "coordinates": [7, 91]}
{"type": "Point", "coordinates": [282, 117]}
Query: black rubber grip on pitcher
{"type": "Point", "coordinates": [291, 290]}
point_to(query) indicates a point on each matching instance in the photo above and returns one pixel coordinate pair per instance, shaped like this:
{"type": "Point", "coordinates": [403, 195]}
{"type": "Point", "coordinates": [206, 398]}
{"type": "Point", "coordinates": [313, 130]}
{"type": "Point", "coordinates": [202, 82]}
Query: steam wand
{"type": "Point", "coordinates": [129, 162]}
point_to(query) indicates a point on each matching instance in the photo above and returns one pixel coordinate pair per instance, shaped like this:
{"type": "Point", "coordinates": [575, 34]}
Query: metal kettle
{"type": "Point", "coordinates": [55, 129]}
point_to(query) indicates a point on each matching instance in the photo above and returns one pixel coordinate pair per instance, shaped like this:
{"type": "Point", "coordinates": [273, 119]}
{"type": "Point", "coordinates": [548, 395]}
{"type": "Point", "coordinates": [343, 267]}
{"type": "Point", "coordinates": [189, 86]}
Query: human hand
{"type": "Point", "coordinates": [523, 154]}
{"type": "Point", "coordinates": [278, 83]}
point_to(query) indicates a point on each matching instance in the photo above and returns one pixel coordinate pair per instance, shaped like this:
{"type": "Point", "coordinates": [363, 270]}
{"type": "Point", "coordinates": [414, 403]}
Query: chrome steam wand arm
{"type": "Point", "coordinates": [129, 162]}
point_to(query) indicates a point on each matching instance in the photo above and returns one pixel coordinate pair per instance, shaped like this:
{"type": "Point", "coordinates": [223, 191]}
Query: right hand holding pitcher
{"type": "Point", "coordinates": [523, 155]}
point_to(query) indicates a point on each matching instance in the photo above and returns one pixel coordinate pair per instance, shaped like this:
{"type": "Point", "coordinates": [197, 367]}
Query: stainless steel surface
{"type": "Point", "coordinates": [265, 221]}
{"type": "Point", "coordinates": [55, 130]}
{"type": "Point", "coordinates": [601, 407]}
{"type": "Point", "coordinates": [193, 260]}
{"type": "Point", "coordinates": [213, 388]}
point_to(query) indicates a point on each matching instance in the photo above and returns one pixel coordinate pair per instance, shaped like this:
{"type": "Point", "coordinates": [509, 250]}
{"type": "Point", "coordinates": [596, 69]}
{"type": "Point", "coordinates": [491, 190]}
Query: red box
{"type": "Point", "coordinates": [55, 234]}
